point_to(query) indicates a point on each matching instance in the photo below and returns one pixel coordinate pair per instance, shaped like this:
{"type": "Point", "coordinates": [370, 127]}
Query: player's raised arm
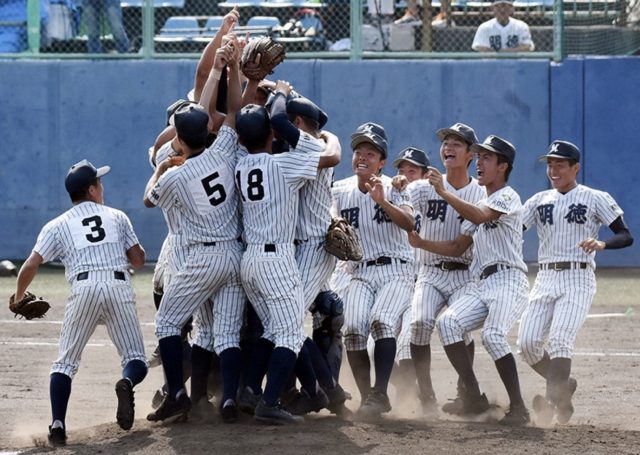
{"type": "Point", "coordinates": [333, 152]}
{"type": "Point", "coordinates": [234, 94]}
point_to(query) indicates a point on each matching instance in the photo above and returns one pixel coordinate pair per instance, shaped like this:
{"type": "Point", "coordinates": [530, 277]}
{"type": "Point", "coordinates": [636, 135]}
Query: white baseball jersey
{"type": "Point", "coordinates": [204, 189]}
{"type": "Point", "coordinates": [378, 235]}
{"type": "Point", "coordinates": [496, 36]}
{"type": "Point", "coordinates": [269, 187]}
{"type": "Point", "coordinates": [91, 240]}
{"type": "Point", "coordinates": [498, 241]}
{"type": "Point", "coordinates": [562, 222]}
{"type": "Point", "coordinates": [439, 221]}
{"type": "Point", "coordinates": [436, 287]}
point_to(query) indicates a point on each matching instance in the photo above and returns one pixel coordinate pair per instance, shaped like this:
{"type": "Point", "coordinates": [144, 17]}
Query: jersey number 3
{"type": "Point", "coordinates": [97, 234]}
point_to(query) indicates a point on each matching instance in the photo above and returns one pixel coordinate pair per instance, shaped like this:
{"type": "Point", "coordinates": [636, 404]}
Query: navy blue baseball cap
{"type": "Point", "coordinates": [252, 123]}
{"type": "Point", "coordinates": [495, 144]}
{"type": "Point", "coordinates": [307, 108]}
{"type": "Point", "coordinates": [414, 156]}
{"type": "Point", "coordinates": [563, 150]}
{"type": "Point", "coordinates": [81, 175]}
{"type": "Point", "coordinates": [373, 134]}
{"type": "Point", "coordinates": [191, 122]}
{"type": "Point", "coordinates": [464, 132]}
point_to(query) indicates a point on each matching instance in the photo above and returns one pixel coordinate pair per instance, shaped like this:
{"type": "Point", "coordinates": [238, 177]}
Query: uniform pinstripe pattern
{"type": "Point", "coordinates": [273, 286]}
{"type": "Point", "coordinates": [434, 289]}
{"type": "Point", "coordinates": [374, 301]}
{"type": "Point", "coordinates": [378, 235]}
{"type": "Point", "coordinates": [207, 271]}
{"type": "Point", "coordinates": [403, 349]}
{"type": "Point", "coordinates": [316, 267]}
{"type": "Point", "coordinates": [204, 191]}
{"type": "Point", "coordinates": [560, 300]}
{"type": "Point", "coordinates": [559, 304]}
{"type": "Point", "coordinates": [107, 301]}
{"type": "Point", "coordinates": [494, 304]}
{"type": "Point", "coordinates": [564, 220]}
{"type": "Point", "coordinates": [439, 221]}
{"type": "Point", "coordinates": [86, 237]}
{"type": "Point", "coordinates": [500, 241]}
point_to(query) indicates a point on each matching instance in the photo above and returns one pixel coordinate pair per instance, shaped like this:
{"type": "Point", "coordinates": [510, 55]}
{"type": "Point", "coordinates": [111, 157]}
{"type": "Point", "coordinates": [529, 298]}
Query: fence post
{"type": "Point", "coordinates": [147, 28]}
{"type": "Point", "coordinates": [356, 29]}
{"type": "Point", "coordinates": [33, 25]}
{"type": "Point", "coordinates": [558, 31]}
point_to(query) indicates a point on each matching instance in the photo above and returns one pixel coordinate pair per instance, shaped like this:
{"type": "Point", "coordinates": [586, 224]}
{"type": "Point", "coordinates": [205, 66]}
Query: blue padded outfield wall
{"type": "Point", "coordinates": [54, 113]}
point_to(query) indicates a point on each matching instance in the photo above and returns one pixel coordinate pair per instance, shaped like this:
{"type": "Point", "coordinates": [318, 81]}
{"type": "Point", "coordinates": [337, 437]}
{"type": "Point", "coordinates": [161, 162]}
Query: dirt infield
{"type": "Point", "coordinates": [607, 402]}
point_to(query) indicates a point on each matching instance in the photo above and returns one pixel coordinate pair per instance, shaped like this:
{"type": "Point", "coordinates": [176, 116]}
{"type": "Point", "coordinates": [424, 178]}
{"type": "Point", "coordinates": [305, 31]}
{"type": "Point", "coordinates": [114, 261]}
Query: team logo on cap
{"type": "Point", "coordinates": [368, 128]}
{"type": "Point", "coordinates": [408, 154]}
{"type": "Point", "coordinates": [554, 148]}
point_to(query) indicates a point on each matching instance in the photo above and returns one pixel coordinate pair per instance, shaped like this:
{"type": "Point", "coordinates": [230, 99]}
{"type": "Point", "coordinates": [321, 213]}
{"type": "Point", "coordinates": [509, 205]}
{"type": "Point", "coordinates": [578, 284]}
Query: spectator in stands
{"type": "Point", "coordinates": [412, 15]}
{"type": "Point", "coordinates": [503, 33]}
{"type": "Point", "coordinates": [92, 11]}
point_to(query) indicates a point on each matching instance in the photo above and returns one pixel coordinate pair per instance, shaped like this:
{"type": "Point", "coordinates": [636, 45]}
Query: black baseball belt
{"type": "Point", "coordinates": [450, 266]}
{"type": "Point", "coordinates": [488, 271]}
{"type": "Point", "coordinates": [559, 266]}
{"type": "Point", "coordinates": [384, 260]}
{"type": "Point", "coordinates": [85, 275]}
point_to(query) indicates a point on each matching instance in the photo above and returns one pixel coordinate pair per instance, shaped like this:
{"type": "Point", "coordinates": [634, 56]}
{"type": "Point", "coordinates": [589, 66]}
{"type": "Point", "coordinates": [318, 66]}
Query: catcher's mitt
{"type": "Point", "coordinates": [342, 241]}
{"type": "Point", "coordinates": [260, 56]}
{"type": "Point", "coordinates": [29, 307]}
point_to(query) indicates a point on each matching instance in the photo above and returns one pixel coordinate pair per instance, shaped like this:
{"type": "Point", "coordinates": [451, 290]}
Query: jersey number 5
{"type": "Point", "coordinates": [215, 193]}
{"type": "Point", "coordinates": [97, 233]}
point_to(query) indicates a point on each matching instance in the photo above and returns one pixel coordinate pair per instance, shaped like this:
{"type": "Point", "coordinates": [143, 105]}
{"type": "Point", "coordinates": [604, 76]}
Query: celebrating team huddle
{"type": "Point", "coordinates": [243, 173]}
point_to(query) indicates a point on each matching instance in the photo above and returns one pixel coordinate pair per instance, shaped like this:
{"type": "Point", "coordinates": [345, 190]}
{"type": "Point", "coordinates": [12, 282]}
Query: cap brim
{"type": "Point", "coordinates": [397, 162]}
{"type": "Point", "coordinates": [444, 132]}
{"type": "Point", "coordinates": [102, 171]}
{"type": "Point", "coordinates": [551, 155]}
{"type": "Point", "coordinates": [374, 139]}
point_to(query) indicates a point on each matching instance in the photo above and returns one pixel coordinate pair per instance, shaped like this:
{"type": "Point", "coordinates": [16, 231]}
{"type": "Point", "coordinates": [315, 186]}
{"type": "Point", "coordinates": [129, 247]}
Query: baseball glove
{"type": "Point", "coordinates": [260, 57]}
{"type": "Point", "coordinates": [29, 307]}
{"type": "Point", "coordinates": [342, 241]}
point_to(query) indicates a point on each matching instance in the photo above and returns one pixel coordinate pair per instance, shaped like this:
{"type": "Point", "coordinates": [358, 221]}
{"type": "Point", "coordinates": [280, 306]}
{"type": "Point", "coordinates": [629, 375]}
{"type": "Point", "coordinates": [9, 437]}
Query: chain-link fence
{"type": "Point", "coordinates": [323, 28]}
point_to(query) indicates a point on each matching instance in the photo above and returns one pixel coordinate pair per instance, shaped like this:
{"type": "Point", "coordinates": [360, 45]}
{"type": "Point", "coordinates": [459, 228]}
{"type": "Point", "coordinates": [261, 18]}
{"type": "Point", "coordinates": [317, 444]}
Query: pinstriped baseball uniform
{"type": "Point", "coordinates": [314, 216]}
{"type": "Point", "coordinates": [377, 294]}
{"type": "Point", "coordinates": [270, 187]}
{"type": "Point", "coordinates": [435, 286]}
{"type": "Point", "coordinates": [560, 300]}
{"type": "Point", "coordinates": [93, 239]}
{"type": "Point", "coordinates": [496, 301]}
{"type": "Point", "coordinates": [203, 191]}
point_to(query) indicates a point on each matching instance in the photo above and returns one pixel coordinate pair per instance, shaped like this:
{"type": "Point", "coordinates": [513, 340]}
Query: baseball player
{"type": "Point", "coordinates": [567, 218]}
{"type": "Point", "coordinates": [95, 243]}
{"type": "Point", "coordinates": [382, 283]}
{"type": "Point", "coordinates": [269, 187]}
{"type": "Point", "coordinates": [441, 279]}
{"type": "Point", "coordinates": [500, 295]}
{"type": "Point", "coordinates": [503, 33]}
{"type": "Point", "coordinates": [203, 190]}
{"type": "Point", "coordinates": [298, 122]}
{"type": "Point", "coordinates": [413, 164]}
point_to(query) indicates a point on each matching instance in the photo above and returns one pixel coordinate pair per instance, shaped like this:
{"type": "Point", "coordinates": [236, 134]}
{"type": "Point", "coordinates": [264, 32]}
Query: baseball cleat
{"type": "Point", "coordinates": [454, 407]}
{"type": "Point", "coordinates": [203, 411]}
{"type": "Point", "coordinates": [544, 410]}
{"type": "Point", "coordinates": [125, 413]}
{"type": "Point", "coordinates": [247, 400]}
{"type": "Point", "coordinates": [517, 416]}
{"type": "Point", "coordinates": [57, 436]}
{"type": "Point", "coordinates": [429, 407]}
{"type": "Point", "coordinates": [229, 412]}
{"type": "Point", "coordinates": [337, 398]}
{"type": "Point", "coordinates": [375, 404]}
{"type": "Point", "coordinates": [171, 409]}
{"type": "Point", "coordinates": [275, 415]}
{"type": "Point", "coordinates": [475, 406]}
{"type": "Point", "coordinates": [302, 403]}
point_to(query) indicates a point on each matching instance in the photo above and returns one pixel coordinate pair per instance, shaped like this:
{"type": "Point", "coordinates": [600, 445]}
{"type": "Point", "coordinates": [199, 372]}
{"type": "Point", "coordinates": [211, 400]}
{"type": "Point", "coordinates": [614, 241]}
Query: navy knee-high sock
{"type": "Point", "coordinates": [281, 366]}
{"type": "Point", "coordinates": [258, 364]}
{"type": "Point", "coordinates": [171, 353]}
{"type": "Point", "coordinates": [200, 365]}
{"type": "Point", "coordinates": [384, 354]}
{"type": "Point", "coordinates": [304, 372]}
{"type": "Point", "coordinates": [230, 368]}
{"type": "Point", "coordinates": [320, 365]}
{"type": "Point", "coordinates": [59, 392]}
{"type": "Point", "coordinates": [135, 371]}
